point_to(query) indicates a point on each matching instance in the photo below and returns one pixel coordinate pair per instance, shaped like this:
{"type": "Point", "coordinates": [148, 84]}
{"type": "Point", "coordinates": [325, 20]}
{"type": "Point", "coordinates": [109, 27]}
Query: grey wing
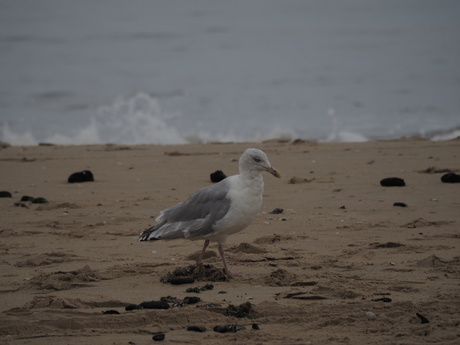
{"type": "Point", "coordinates": [194, 217]}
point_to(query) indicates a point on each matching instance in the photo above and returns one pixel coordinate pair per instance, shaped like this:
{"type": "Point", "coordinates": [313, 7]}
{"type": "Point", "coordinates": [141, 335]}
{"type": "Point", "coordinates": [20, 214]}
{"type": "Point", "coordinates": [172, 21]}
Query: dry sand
{"type": "Point", "coordinates": [341, 264]}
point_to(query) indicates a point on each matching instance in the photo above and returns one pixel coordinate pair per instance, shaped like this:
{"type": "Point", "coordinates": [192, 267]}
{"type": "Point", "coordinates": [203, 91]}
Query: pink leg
{"type": "Point", "coordinates": [200, 258]}
{"type": "Point", "coordinates": [222, 255]}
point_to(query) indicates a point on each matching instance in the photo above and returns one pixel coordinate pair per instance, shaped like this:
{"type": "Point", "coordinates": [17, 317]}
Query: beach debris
{"type": "Point", "coordinates": [5, 194]}
{"type": "Point", "coordinates": [297, 180]}
{"type": "Point", "coordinates": [206, 287]}
{"type": "Point", "coordinates": [400, 204]}
{"type": "Point", "coordinates": [197, 272]}
{"type": "Point", "coordinates": [181, 280]}
{"type": "Point", "coordinates": [154, 305]}
{"type": "Point", "coordinates": [277, 211]}
{"type": "Point", "coordinates": [370, 314]}
{"type": "Point", "coordinates": [228, 328]}
{"type": "Point", "coordinates": [158, 336]}
{"type": "Point", "coordinates": [392, 182]}
{"type": "Point", "coordinates": [82, 176]}
{"type": "Point", "coordinates": [243, 310]}
{"type": "Point", "coordinates": [110, 312]}
{"type": "Point", "coordinates": [255, 326]}
{"type": "Point", "coordinates": [387, 245]}
{"type": "Point", "coordinates": [382, 299]}
{"type": "Point", "coordinates": [217, 176]}
{"type": "Point", "coordinates": [132, 307]}
{"type": "Point", "coordinates": [196, 329]}
{"type": "Point", "coordinates": [422, 318]}
{"type": "Point", "coordinates": [450, 178]}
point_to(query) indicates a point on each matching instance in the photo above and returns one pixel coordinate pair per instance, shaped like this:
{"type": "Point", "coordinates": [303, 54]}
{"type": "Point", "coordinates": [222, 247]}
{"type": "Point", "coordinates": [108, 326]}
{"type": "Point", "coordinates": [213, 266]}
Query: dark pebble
{"type": "Point", "coordinates": [217, 176]}
{"type": "Point", "coordinates": [5, 194]}
{"type": "Point", "coordinates": [196, 329]}
{"type": "Point", "coordinates": [82, 176]}
{"type": "Point", "coordinates": [160, 336]}
{"type": "Point", "coordinates": [27, 198]}
{"type": "Point", "coordinates": [132, 307]}
{"type": "Point", "coordinates": [181, 280]}
{"type": "Point", "coordinates": [450, 178]}
{"type": "Point", "coordinates": [392, 182]}
{"type": "Point", "coordinates": [111, 311]}
{"type": "Point", "coordinates": [277, 211]}
{"type": "Point", "coordinates": [191, 300]}
{"type": "Point", "coordinates": [400, 204]}
{"type": "Point", "coordinates": [228, 328]}
{"type": "Point", "coordinates": [423, 318]}
{"type": "Point", "coordinates": [383, 299]}
{"type": "Point", "coordinates": [255, 327]}
{"type": "Point", "coordinates": [154, 305]}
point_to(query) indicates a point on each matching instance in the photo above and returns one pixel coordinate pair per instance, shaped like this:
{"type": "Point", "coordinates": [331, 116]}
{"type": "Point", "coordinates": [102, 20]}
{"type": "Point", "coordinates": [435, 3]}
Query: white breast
{"type": "Point", "coordinates": [246, 201]}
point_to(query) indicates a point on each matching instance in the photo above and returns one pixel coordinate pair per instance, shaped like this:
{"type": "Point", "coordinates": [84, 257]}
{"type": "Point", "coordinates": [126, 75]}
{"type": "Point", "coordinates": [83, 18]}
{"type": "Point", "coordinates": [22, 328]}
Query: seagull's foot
{"type": "Point", "coordinates": [232, 274]}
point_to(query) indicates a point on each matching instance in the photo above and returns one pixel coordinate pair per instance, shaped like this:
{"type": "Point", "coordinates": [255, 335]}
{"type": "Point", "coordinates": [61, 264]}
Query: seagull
{"type": "Point", "coordinates": [217, 211]}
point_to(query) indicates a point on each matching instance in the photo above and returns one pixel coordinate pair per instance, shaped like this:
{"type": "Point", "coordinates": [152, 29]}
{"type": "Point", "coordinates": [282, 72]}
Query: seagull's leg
{"type": "Point", "coordinates": [200, 258]}
{"type": "Point", "coordinates": [222, 255]}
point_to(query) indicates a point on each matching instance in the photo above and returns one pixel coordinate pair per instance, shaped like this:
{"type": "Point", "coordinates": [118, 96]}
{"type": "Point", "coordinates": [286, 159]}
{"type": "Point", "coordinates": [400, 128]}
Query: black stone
{"type": "Point", "coordinates": [255, 327]}
{"type": "Point", "coordinates": [160, 336]}
{"type": "Point", "coordinates": [400, 204]}
{"type": "Point", "coordinates": [217, 176]}
{"type": "Point", "coordinates": [191, 300]}
{"type": "Point", "coordinates": [111, 311]}
{"type": "Point", "coordinates": [154, 305]}
{"type": "Point", "coordinates": [392, 182]}
{"type": "Point", "coordinates": [82, 176]}
{"type": "Point", "coordinates": [181, 280]}
{"type": "Point", "coordinates": [228, 328]}
{"type": "Point", "coordinates": [132, 307]}
{"type": "Point", "coordinates": [423, 318]}
{"type": "Point", "coordinates": [27, 198]}
{"type": "Point", "coordinates": [196, 329]}
{"type": "Point", "coordinates": [383, 299]}
{"type": "Point", "coordinates": [277, 211]}
{"type": "Point", "coordinates": [450, 178]}
{"type": "Point", "coordinates": [5, 194]}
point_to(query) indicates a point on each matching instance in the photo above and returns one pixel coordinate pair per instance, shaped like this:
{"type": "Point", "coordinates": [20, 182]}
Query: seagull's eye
{"type": "Point", "coordinates": [256, 159]}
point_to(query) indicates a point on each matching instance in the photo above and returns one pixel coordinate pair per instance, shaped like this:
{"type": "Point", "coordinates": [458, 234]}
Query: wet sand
{"type": "Point", "coordinates": [340, 264]}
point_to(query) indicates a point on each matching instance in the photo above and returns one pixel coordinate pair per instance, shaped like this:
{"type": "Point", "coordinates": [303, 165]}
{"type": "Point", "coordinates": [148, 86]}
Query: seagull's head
{"type": "Point", "coordinates": [256, 160]}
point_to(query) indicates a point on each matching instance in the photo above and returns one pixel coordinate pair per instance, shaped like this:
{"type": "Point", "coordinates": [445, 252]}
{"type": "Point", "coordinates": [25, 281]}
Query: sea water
{"type": "Point", "coordinates": [182, 71]}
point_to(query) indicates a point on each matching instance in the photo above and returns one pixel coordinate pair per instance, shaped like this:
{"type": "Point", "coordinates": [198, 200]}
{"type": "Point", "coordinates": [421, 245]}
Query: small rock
{"type": "Point", "coordinates": [392, 182]}
{"type": "Point", "coordinates": [255, 327]}
{"type": "Point", "coordinates": [154, 305]}
{"type": "Point", "coordinates": [191, 300]}
{"type": "Point", "coordinates": [370, 314]}
{"type": "Point", "coordinates": [423, 318]}
{"type": "Point", "coordinates": [196, 329]}
{"type": "Point", "coordinates": [277, 211]}
{"type": "Point", "coordinates": [181, 280]}
{"type": "Point", "coordinates": [159, 336]}
{"type": "Point", "coordinates": [132, 307]}
{"type": "Point", "coordinates": [400, 204]}
{"type": "Point", "coordinates": [217, 176]}
{"type": "Point", "coordinates": [111, 311]}
{"type": "Point", "coordinates": [27, 198]}
{"type": "Point", "coordinates": [383, 299]}
{"type": "Point", "coordinates": [450, 178]}
{"type": "Point", "coordinates": [228, 328]}
{"type": "Point", "coordinates": [5, 194]}
{"type": "Point", "coordinates": [82, 176]}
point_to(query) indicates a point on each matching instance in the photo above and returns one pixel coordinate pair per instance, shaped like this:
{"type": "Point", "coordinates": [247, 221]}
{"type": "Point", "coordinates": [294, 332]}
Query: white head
{"type": "Point", "coordinates": [254, 160]}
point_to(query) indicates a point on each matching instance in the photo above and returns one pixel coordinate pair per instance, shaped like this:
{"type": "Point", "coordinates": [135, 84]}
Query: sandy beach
{"type": "Point", "coordinates": [340, 264]}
